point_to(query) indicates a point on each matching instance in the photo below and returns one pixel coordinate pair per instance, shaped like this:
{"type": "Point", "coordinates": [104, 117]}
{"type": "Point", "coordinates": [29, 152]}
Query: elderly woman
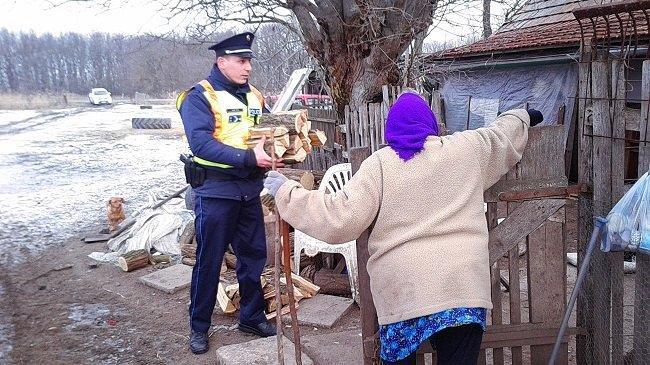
{"type": "Point", "coordinates": [428, 266]}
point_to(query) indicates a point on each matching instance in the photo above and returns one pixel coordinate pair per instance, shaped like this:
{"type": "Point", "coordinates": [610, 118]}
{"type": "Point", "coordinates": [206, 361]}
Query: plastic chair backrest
{"type": "Point", "coordinates": [335, 178]}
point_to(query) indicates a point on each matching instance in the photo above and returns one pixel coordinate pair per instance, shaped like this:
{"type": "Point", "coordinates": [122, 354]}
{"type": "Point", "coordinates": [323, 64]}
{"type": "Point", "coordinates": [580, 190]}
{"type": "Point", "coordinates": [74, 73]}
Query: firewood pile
{"type": "Point", "coordinates": [228, 296]}
{"type": "Point", "coordinates": [293, 138]}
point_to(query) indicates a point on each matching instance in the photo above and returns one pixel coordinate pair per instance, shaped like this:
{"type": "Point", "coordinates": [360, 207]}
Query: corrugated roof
{"type": "Point", "coordinates": [548, 23]}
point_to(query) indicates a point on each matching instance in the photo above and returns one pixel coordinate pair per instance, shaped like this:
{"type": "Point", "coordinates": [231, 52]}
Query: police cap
{"type": "Point", "coordinates": [239, 45]}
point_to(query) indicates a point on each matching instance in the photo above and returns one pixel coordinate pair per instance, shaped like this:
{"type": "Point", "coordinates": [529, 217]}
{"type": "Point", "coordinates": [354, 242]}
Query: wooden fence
{"type": "Point", "coordinates": [365, 126]}
{"type": "Point", "coordinates": [612, 334]}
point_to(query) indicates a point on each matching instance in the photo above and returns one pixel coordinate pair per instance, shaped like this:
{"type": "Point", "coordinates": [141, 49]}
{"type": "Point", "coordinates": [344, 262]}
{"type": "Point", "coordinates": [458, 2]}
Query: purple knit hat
{"type": "Point", "coordinates": [410, 121]}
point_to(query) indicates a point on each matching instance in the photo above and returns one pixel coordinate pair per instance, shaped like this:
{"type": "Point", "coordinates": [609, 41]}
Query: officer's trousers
{"type": "Point", "coordinates": [220, 222]}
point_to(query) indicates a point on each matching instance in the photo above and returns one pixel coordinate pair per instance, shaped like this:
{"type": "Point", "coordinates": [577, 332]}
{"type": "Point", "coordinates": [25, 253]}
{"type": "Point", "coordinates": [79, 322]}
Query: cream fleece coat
{"type": "Point", "coordinates": [429, 246]}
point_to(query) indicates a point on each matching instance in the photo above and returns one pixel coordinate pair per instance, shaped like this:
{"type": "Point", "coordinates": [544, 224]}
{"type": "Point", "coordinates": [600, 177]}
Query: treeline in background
{"type": "Point", "coordinates": [158, 66]}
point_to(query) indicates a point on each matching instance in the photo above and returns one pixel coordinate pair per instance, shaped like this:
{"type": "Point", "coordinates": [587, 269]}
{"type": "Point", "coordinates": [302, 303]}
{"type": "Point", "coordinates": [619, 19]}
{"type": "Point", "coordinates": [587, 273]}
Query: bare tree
{"type": "Point", "coordinates": [356, 43]}
{"type": "Point", "coordinates": [487, 28]}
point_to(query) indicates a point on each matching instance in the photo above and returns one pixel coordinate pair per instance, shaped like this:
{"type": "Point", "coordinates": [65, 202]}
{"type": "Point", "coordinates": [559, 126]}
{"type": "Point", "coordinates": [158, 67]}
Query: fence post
{"type": "Point", "coordinates": [369, 322]}
{"type": "Point", "coordinates": [585, 201]}
{"type": "Point", "coordinates": [618, 176]}
{"type": "Point", "coordinates": [602, 180]}
{"type": "Point", "coordinates": [436, 106]}
{"type": "Point", "coordinates": [348, 130]}
{"type": "Point", "coordinates": [642, 280]}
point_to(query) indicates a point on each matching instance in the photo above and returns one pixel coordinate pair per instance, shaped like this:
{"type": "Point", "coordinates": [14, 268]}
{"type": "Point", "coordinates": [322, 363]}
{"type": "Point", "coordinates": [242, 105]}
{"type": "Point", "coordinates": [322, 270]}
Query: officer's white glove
{"type": "Point", "coordinates": [273, 181]}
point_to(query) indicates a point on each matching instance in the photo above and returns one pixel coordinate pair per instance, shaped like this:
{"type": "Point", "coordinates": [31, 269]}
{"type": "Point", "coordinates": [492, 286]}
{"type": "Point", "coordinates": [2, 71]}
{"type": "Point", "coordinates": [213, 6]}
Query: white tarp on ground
{"type": "Point", "coordinates": [545, 88]}
{"type": "Point", "coordinates": [159, 229]}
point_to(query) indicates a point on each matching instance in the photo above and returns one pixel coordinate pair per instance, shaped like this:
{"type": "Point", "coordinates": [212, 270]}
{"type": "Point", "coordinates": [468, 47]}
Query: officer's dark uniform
{"type": "Point", "coordinates": [216, 115]}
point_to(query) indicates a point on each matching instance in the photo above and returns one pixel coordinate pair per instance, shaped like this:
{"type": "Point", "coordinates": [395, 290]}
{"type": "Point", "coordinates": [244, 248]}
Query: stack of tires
{"type": "Point", "coordinates": [151, 123]}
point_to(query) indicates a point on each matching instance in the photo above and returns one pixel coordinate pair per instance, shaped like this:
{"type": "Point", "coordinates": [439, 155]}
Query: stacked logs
{"type": "Point", "coordinates": [228, 296]}
{"type": "Point", "coordinates": [292, 138]}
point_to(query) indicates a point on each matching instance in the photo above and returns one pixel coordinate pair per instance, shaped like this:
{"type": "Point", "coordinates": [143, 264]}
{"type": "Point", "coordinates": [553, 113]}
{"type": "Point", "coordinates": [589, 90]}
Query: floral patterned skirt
{"type": "Point", "coordinates": [399, 340]}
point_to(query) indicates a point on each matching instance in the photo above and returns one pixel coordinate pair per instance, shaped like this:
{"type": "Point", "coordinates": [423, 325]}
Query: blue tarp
{"type": "Point", "coordinates": [493, 91]}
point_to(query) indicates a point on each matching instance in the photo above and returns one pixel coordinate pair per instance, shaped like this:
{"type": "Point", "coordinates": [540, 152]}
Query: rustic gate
{"type": "Point", "coordinates": [613, 115]}
{"type": "Point", "coordinates": [531, 199]}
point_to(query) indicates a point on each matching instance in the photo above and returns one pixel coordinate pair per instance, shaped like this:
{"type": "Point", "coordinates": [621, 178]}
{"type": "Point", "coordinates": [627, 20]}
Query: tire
{"type": "Point", "coordinates": [151, 123]}
{"type": "Point", "coordinates": [146, 107]}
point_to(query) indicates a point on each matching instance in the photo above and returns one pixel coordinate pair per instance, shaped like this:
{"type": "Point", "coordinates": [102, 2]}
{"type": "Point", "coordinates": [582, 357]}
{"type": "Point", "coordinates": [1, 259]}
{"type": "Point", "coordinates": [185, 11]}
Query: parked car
{"type": "Point", "coordinates": [305, 100]}
{"type": "Point", "coordinates": [99, 96]}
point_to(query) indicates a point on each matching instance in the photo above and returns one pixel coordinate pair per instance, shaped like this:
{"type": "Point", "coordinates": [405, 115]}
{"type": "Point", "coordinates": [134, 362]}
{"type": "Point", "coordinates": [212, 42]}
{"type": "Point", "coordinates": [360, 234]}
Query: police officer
{"type": "Point", "coordinates": [227, 180]}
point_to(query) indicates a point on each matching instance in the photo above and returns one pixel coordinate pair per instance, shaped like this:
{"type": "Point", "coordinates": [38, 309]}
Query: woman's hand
{"type": "Point", "coordinates": [273, 181]}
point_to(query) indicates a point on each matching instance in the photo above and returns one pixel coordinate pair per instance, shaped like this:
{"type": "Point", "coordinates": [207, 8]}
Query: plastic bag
{"type": "Point", "coordinates": [628, 223]}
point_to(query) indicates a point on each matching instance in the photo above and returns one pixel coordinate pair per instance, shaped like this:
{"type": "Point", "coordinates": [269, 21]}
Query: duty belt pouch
{"type": "Point", "coordinates": [194, 174]}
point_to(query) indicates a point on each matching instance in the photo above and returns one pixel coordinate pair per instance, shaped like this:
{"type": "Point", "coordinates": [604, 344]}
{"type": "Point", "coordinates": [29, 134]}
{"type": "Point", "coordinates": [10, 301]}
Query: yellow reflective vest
{"type": "Point", "coordinates": [232, 118]}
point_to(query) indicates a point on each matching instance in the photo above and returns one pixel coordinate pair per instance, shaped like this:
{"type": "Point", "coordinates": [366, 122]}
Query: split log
{"type": "Point", "coordinates": [133, 260]}
{"type": "Point", "coordinates": [259, 132]}
{"type": "Point", "coordinates": [231, 290]}
{"type": "Point", "coordinates": [317, 138]}
{"type": "Point", "coordinates": [187, 235]}
{"type": "Point", "coordinates": [160, 259]}
{"type": "Point", "coordinates": [292, 157]}
{"type": "Point", "coordinates": [225, 303]}
{"type": "Point", "coordinates": [188, 250]}
{"type": "Point", "coordinates": [308, 271]}
{"type": "Point", "coordinates": [306, 142]}
{"type": "Point", "coordinates": [281, 145]}
{"type": "Point", "coordinates": [304, 177]}
{"type": "Point", "coordinates": [224, 268]}
{"type": "Point", "coordinates": [296, 143]}
{"type": "Point", "coordinates": [189, 261]}
{"type": "Point", "coordinates": [285, 310]}
{"type": "Point", "coordinates": [271, 304]}
{"type": "Point", "coordinates": [268, 201]}
{"type": "Point", "coordinates": [306, 288]}
{"type": "Point", "coordinates": [332, 283]}
{"type": "Point", "coordinates": [294, 119]}
{"type": "Point", "coordinates": [231, 260]}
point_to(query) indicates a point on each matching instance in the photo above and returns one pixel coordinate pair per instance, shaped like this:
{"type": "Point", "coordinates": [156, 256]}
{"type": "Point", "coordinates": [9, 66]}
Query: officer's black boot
{"type": "Point", "coordinates": [263, 329]}
{"type": "Point", "coordinates": [199, 342]}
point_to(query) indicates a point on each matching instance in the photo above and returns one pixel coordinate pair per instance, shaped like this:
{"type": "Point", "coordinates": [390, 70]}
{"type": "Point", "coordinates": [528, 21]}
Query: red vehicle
{"type": "Point", "coordinates": [306, 100]}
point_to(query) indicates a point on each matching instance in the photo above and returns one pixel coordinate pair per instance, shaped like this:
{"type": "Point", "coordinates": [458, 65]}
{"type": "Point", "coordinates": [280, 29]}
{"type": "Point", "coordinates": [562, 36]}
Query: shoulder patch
{"type": "Point", "coordinates": [181, 98]}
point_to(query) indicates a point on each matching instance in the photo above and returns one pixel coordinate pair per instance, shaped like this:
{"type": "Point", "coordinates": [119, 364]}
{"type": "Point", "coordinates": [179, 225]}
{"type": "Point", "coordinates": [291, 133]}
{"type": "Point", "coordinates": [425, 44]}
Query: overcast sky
{"type": "Point", "coordinates": [146, 16]}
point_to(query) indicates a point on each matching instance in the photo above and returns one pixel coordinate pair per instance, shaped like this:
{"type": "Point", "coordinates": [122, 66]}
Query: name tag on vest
{"type": "Point", "coordinates": [234, 110]}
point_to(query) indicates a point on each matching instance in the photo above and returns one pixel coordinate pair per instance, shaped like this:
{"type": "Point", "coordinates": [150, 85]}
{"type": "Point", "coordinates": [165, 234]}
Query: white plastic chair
{"type": "Point", "coordinates": [334, 179]}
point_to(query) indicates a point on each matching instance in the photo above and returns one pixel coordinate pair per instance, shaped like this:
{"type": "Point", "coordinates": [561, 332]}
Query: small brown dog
{"type": "Point", "coordinates": [115, 212]}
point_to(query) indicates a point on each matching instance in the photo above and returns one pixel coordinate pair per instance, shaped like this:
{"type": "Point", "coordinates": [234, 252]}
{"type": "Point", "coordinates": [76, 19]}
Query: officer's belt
{"type": "Point", "coordinates": [216, 175]}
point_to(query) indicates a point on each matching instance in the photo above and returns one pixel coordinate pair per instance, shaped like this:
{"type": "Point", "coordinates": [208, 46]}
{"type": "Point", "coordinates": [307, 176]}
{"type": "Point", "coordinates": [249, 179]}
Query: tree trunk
{"type": "Point", "coordinates": [358, 44]}
{"type": "Point", "coordinates": [487, 28]}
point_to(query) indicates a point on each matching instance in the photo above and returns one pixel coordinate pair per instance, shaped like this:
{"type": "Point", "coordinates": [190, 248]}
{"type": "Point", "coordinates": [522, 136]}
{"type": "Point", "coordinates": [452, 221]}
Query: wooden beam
{"type": "Point", "coordinates": [369, 321]}
{"type": "Point", "coordinates": [642, 280]}
{"type": "Point", "coordinates": [519, 224]}
{"type": "Point", "coordinates": [524, 334]}
{"type": "Point", "coordinates": [617, 181]}
{"type": "Point", "coordinates": [598, 271]}
{"type": "Point", "coordinates": [585, 202]}
{"type": "Point", "coordinates": [540, 193]}
{"type": "Point", "coordinates": [510, 186]}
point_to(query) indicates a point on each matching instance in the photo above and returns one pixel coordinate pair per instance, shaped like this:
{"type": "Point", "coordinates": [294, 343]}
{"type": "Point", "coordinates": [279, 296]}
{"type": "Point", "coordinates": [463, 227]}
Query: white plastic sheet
{"type": "Point", "coordinates": [157, 229]}
{"type": "Point", "coordinates": [628, 223]}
